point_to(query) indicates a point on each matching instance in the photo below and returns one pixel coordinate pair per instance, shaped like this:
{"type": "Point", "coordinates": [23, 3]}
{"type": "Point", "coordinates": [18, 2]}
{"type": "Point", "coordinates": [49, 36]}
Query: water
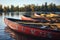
{"type": "Point", "coordinates": [7, 34]}
{"type": "Point", "coordinates": [4, 35]}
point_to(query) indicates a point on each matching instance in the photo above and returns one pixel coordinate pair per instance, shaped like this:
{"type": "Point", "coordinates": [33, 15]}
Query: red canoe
{"type": "Point", "coordinates": [27, 18]}
{"type": "Point", "coordinates": [27, 27]}
{"type": "Point", "coordinates": [34, 19]}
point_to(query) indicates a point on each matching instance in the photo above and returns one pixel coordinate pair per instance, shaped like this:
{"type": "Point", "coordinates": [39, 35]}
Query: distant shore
{"type": "Point", "coordinates": [31, 8]}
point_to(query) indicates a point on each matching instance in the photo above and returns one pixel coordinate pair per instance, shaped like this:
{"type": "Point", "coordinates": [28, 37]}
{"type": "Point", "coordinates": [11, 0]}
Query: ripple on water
{"type": "Point", "coordinates": [4, 35]}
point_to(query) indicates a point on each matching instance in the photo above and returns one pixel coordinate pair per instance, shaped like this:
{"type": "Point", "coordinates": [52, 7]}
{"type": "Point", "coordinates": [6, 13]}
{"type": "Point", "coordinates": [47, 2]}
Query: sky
{"type": "Point", "coordinates": [22, 2]}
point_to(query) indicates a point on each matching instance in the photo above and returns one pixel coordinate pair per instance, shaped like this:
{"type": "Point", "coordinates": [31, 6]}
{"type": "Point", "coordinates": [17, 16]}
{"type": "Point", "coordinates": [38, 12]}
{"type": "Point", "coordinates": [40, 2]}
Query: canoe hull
{"type": "Point", "coordinates": [32, 31]}
{"type": "Point", "coordinates": [27, 18]}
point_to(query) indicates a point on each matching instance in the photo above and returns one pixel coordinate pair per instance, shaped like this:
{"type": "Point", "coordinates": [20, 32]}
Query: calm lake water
{"type": "Point", "coordinates": [3, 34]}
{"type": "Point", "coordinates": [7, 34]}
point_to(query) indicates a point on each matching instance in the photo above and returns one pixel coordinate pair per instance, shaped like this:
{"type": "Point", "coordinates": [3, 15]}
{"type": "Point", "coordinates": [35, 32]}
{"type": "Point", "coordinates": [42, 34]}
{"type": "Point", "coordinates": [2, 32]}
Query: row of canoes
{"type": "Point", "coordinates": [38, 17]}
{"type": "Point", "coordinates": [50, 20]}
{"type": "Point", "coordinates": [35, 26]}
{"type": "Point", "coordinates": [50, 15]}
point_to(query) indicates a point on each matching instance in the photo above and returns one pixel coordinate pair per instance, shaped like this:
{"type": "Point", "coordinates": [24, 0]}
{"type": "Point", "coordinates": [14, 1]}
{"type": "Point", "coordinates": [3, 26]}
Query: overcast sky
{"type": "Point", "coordinates": [22, 2]}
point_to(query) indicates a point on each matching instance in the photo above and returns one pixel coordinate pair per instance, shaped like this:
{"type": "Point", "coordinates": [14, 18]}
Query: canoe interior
{"type": "Point", "coordinates": [38, 26]}
{"type": "Point", "coordinates": [44, 19]}
{"type": "Point", "coordinates": [18, 20]}
{"type": "Point", "coordinates": [47, 17]}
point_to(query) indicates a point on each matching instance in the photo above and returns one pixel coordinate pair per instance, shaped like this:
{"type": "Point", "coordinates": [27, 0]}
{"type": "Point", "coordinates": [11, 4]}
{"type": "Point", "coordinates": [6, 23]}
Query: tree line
{"type": "Point", "coordinates": [32, 8]}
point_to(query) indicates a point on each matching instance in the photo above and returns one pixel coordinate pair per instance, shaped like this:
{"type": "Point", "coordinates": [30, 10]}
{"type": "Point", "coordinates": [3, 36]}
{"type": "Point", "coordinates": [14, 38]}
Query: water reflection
{"type": "Point", "coordinates": [16, 15]}
{"type": "Point", "coordinates": [4, 35]}
{"type": "Point", "coordinates": [19, 36]}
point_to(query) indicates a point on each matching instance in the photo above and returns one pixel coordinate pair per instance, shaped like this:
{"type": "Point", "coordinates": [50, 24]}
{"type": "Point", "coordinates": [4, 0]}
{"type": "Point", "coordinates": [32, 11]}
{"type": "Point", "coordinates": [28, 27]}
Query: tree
{"type": "Point", "coordinates": [46, 7]}
{"type": "Point", "coordinates": [32, 7]}
{"type": "Point", "coordinates": [42, 7]}
{"type": "Point", "coordinates": [6, 9]}
{"type": "Point", "coordinates": [1, 9]}
{"type": "Point", "coordinates": [12, 8]}
{"type": "Point", "coordinates": [17, 8]}
{"type": "Point", "coordinates": [50, 7]}
{"type": "Point", "coordinates": [54, 7]}
{"type": "Point", "coordinates": [58, 8]}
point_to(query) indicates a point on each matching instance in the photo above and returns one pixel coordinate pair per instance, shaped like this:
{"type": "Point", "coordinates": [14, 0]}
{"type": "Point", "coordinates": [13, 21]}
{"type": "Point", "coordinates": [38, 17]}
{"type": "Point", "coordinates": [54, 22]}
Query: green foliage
{"type": "Point", "coordinates": [32, 8]}
{"type": "Point", "coordinates": [1, 9]}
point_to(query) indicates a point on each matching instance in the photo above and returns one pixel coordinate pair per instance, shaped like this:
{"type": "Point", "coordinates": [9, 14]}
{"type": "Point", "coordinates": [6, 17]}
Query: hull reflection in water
{"type": "Point", "coordinates": [20, 36]}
